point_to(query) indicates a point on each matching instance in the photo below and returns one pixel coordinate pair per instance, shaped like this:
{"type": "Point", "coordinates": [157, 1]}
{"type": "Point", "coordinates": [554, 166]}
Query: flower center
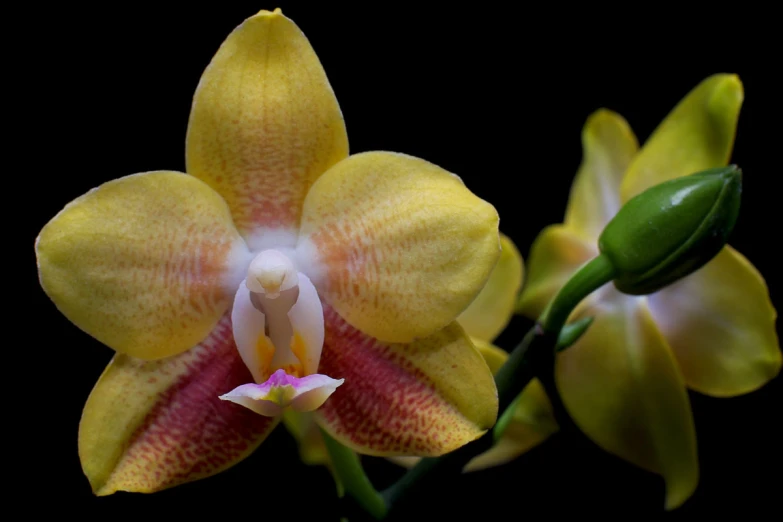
{"type": "Point", "coordinates": [278, 325]}
{"type": "Point", "coordinates": [277, 318]}
{"type": "Point", "coordinates": [271, 272]}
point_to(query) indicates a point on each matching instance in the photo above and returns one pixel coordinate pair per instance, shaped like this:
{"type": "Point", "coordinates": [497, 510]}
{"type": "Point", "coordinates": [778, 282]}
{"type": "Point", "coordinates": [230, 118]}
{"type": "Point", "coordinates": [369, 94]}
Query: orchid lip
{"type": "Point", "coordinates": [283, 390]}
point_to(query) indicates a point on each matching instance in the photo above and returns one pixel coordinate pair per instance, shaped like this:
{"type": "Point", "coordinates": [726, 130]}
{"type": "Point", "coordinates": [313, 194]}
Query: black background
{"type": "Point", "coordinates": [497, 96]}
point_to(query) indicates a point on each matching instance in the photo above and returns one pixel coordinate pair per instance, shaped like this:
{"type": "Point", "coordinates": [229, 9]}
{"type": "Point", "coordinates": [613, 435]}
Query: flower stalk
{"type": "Point", "coordinates": [348, 468]}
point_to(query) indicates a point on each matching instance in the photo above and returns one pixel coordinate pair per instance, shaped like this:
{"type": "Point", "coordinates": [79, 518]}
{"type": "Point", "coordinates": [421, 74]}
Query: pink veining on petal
{"type": "Point", "coordinates": [190, 433]}
{"type": "Point", "coordinates": [300, 384]}
{"type": "Point", "coordinates": [387, 405]}
{"type": "Point", "coordinates": [280, 378]}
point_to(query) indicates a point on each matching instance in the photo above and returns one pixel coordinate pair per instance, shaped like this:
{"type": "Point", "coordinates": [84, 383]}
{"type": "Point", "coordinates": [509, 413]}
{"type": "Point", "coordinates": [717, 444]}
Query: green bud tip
{"type": "Point", "coordinates": [672, 229]}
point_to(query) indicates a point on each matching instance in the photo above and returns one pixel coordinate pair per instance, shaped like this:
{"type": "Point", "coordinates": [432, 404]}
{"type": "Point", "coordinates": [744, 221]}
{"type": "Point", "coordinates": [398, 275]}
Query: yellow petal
{"type": "Point", "coordinates": [264, 125]}
{"type": "Point", "coordinates": [698, 134]}
{"type": "Point", "coordinates": [530, 425]}
{"type": "Point", "coordinates": [555, 255]}
{"type": "Point", "coordinates": [492, 309]}
{"type": "Point", "coordinates": [608, 146]}
{"type": "Point", "coordinates": [493, 356]}
{"type": "Point", "coordinates": [720, 324]}
{"type": "Point", "coordinates": [151, 425]}
{"type": "Point", "coordinates": [425, 398]}
{"type": "Point", "coordinates": [621, 385]}
{"type": "Point", "coordinates": [398, 246]}
{"type": "Point", "coordinates": [146, 264]}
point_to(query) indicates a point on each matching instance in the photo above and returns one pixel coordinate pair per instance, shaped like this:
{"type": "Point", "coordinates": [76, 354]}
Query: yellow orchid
{"type": "Point", "coordinates": [624, 382]}
{"type": "Point", "coordinates": [278, 273]}
{"type": "Point", "coordinates": [485, 318]}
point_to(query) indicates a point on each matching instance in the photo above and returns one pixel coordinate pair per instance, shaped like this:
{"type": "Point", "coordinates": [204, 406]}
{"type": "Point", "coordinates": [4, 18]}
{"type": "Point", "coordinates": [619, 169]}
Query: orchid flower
{"type": "Point", "coordinates": [486, 317]}
{"type": "Point", "coordinates": [624, 381]}
{"type": "Point", "coordinates": [279, 273]}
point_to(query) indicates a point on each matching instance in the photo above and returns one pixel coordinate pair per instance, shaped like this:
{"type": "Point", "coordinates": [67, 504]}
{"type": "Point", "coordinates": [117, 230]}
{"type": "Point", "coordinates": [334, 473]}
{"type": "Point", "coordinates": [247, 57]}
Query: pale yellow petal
{"type": "Point", "coordinates": [621, 385]}
{"type": "Point", "coordinates": [398, 246]}
{"type": "Point", "coordinates": [264, 125]}
{"type": "Point", "coordinates": [720, 324]}
{"type": "Point", "coordinates": [555, 255]}
{"type": "Point", "coordinates": [491, 311]}
{"type": "Point", "coordinates": [493, 356]}
{"type": "Point", "coordinates": [608, 146]}
{"type": "Point", "coordinates": [697, 135]}
{"type": "Point", "coordinates": [147, 264]}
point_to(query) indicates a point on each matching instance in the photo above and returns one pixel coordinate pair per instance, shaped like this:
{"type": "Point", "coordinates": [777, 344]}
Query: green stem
{"type": "Point", "coordinates": [404, 494]}
{"type": "Point", "coordinates": [545, 371]}
{"type": "Point", "coordinates": [505, 419]}
{"type": "Point", "coordinates": [568, 336]}
{"type": "Point", "coordinates": [591, 276]}
{"type": "Point", "coordinates": [348, 468]}
{"type": "Point", "coordinates": [587, 279]}
{"type": "Point", "coordinates": [518, 370]}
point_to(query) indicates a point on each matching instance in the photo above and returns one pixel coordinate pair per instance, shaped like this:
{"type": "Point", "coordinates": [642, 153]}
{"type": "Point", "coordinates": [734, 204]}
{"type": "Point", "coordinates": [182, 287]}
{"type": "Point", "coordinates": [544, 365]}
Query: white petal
{"type": "Point", "coordinates": [248, 326]}
{"type": "Point", "coordinates": [307, 320]}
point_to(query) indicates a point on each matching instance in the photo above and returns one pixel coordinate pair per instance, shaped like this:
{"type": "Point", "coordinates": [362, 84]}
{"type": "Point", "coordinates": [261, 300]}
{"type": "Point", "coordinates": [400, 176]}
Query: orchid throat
{"type": "Point", "coordinates": [278, 326]}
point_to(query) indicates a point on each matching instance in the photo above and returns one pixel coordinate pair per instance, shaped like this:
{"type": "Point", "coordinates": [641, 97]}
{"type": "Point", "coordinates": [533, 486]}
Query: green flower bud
{"type": "Point", "coordinates": [671, 229]}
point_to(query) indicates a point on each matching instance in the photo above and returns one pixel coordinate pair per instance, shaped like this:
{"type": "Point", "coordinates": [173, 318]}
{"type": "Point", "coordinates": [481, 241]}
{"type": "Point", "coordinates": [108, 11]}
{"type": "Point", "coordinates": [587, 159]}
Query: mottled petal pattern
{"type": "Point", "coordinates": [491, 311]}
{"type": "Point", "coordinates": [608, 146]}
{"type": "Point", "coordinates": [720, 324]}
{"type": "Point", "coordinates": [555, 255]}
{"type": "Point", "coordinates": [621, 385]}
{"type": "Point", "coordinates": [398, 246]}
{"type": "Point", "coordinates": [531, 424]}
{"type": "Point", "coordinates": [697, 135]}
{"type": "Point", "coordinates": [147, 264]}
{"type": "Point", "coordinates": [425, 398]}
{"type": "Point", "coordinates": [264, 125]}
{"type": "Point", "coordinates": [150, 425]}
{"type": "Point", "coordinates": [281, 391]}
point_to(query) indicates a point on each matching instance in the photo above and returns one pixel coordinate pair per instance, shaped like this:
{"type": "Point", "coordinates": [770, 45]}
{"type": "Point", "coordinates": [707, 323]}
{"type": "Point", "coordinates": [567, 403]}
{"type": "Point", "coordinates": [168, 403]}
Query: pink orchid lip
{"type": "Point", "coordinates": [282, 390]}
{"type": "Point", "coordinates": [281, 378]}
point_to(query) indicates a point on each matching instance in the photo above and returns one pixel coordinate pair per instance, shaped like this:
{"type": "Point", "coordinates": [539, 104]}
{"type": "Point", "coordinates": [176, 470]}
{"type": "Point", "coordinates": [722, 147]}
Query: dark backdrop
{"type": "Point", "coordinates": [497, 96]}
